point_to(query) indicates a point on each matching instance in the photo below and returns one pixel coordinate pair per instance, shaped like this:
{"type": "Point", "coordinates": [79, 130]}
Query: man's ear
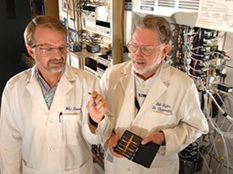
{"type": "Point", "coordinates": [30, 51]}
{"type": "Point", "coordinates": [166, 50]}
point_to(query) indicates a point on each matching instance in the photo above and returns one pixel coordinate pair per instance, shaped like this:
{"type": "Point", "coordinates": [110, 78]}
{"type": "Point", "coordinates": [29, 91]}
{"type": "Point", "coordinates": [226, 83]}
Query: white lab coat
{"type": "Point", "coordinates": [39, 141]}
{"type": "Point", "coordinates": [172, 105]}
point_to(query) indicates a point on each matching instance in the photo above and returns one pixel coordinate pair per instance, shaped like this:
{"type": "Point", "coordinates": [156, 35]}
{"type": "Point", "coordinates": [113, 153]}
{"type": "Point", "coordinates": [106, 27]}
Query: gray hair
{"type": "Point", "coordinates": [152, 22]}
{"type": "Point", "coordinates": [45, 21]}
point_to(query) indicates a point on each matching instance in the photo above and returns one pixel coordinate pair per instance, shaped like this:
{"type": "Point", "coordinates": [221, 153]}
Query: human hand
{"type": "Point", "coordinates": [112, 143]}
{"type": "Point", "coordinates": [156, 137]}
{"type": "Point", "coordinates": [97, 107]}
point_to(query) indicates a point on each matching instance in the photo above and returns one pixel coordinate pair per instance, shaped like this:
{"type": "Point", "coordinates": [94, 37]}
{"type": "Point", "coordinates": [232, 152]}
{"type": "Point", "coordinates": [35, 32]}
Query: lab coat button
{"type": "Point", "coordinates": [128, 169]}
{"type": "Point", "coordinates": [51, 149]}
{"type": "Point", "coordinates": [50, 119]}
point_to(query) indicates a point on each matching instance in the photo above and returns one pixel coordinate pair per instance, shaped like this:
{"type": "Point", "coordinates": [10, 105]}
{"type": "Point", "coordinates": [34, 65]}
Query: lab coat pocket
{"type": "Point", "coordinates": [70, 128]}
{"type": "Point", "coordinates": [85, 168]}
{"type": "Point", "coordinates": [28, 170]}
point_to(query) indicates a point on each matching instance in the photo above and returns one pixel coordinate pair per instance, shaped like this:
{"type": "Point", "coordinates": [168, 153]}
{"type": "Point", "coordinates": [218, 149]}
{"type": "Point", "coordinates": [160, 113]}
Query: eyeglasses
{"type": "Point", "coordinates": [145, 50]}
{"type": "Point", "coordinates": [50, 51]}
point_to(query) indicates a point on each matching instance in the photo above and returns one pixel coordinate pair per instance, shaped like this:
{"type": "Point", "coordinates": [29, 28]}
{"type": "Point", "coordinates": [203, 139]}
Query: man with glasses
{"type": "Point", "coordinates": [52, 112]}
{"type": "Point", "coordinates": [151, 99]}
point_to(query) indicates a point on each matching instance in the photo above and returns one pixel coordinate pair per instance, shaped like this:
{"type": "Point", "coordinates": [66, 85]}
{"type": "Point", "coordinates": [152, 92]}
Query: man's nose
{"type": "Point", "coordinates": [57, 52]}
{"type": "Point", "coordinates": [138, 53]}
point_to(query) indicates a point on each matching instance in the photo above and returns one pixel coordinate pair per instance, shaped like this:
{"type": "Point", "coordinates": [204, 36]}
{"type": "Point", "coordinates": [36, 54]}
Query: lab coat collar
{"type": "Point", "coordinates": [127, 83]}
{"type": "Point", "coordinates": [33, 86]}
{"type": "Point", "coordinates": [69, 73]}
{"type": "Point", "coordinates": [65, 84]}
{"type": "Point", "coordinates": [159, 86]}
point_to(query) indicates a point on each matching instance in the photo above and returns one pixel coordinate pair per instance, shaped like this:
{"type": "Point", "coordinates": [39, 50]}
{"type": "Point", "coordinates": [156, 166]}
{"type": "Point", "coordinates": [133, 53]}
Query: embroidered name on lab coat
{"type": "Point", "coordinates": [162, 107]}
{"type": "Point", "coordinates": [68, 109]}
{"type": "Point", "coordinates": [74, 109]}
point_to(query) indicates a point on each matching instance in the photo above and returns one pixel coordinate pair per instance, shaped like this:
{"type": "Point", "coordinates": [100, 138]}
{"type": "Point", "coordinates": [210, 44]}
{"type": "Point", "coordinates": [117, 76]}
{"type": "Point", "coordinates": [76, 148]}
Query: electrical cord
{"type": "Point", "coordinates": [200, 46]}
{"type": "Point", "coordinates": [223, 112]}
{"type": "Point", "coordinates": [215, 126]}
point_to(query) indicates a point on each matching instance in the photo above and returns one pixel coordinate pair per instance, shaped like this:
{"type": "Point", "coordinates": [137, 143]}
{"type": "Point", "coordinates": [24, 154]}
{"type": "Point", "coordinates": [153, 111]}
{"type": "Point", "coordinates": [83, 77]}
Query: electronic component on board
{"type": "Point", "coordinates": [93, 48]}
{"type": "Point", "coordinates": [224, 88]}
{"type": "Point", "coordinates": [75, 47]}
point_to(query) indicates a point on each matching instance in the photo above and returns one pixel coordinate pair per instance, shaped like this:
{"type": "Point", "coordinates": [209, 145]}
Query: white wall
{"type": "Point", "coordinates": [228, 47]}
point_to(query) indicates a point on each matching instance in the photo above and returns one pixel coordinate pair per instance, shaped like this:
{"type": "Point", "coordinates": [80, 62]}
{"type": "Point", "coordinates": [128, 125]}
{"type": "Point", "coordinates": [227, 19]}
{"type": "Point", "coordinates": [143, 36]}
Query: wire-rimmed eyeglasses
{"type": "Point", "coordinates": [145, 50]}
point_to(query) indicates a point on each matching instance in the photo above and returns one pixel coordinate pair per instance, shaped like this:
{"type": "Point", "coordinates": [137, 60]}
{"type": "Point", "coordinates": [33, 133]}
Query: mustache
{"type": "Point", "coordinates": [139, 60]}
{"type": "Point", "coordinates": [56, 61]}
